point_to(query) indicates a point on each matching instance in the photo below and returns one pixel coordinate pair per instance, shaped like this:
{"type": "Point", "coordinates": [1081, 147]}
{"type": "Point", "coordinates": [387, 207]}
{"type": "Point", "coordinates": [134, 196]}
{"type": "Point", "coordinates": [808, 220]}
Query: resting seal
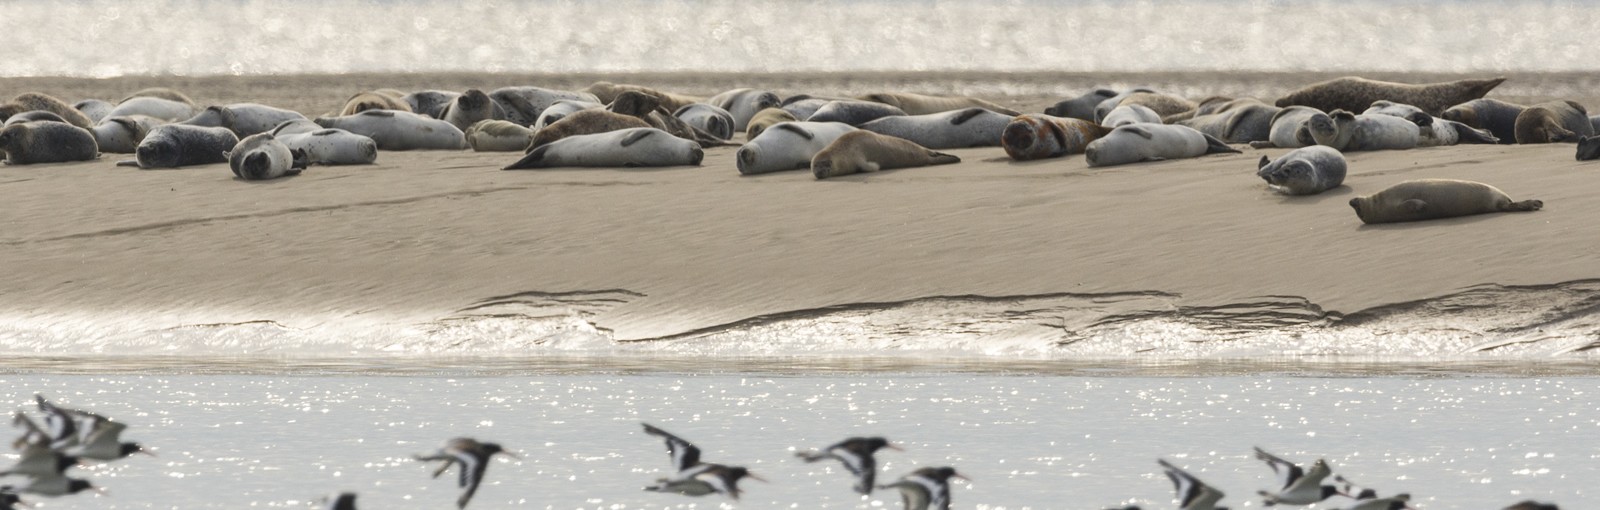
{"type": "Point", "coordinates": [608, 92]}
{"type": "Point", "coordinates": [766, 118]}
{"type": "Point", "coordinates": [804, 106]}
{"type": "Point", "coordinates": [866, 151]}
{"type": "Point", "coordinates": [1349, 132]}
{"type": "Point", "coordinates": [1429, 199]}
{"type": "Point", "coordinates": [853, 112]}
{"type": "Point", "coordinates": [178, 145]}
{"type": "Point", "coordinates": [1555, 121]}
{"type": "Point", "coordinates": [635, 147]}
{"type": "Point", "coordinates": [585, 122]}
{"type": "Point", "coordinates": [324, 146]}
{"type": "Point", "coordinates": [374, 100]}
{"type": "Point", "coordinates": [30, 101]}
{"type": "Point", "coordinates": [1589, 148]}
{"type": "Point", "coordinates": [1151, 142]}
{"type": "Point", "coordinates": [244, 119]}
{"type": "Point", "coordinates": [1355, 94]}
{"type": "Point", "coordinates": [560, 110]}
{"type": "Point", "coordinates": [1081, 107]}
{"type": "Point", "coordinates": [523, 105]}
{"type": "Point", "coordinates": [498, 136]}
{"type": "Point", "coordinates": [919, 104]}
{"type": "Point", "coordinates": [1435, 131]}
{"type": "Point", "coordinates": [1304, 171]}
{"type": "Point", "coordinates": [1245, 120]}
{"type": "Point", "coordinates": [430, 102]}
{"type": "Point", "coordinates": [260, 157]}
{"type": "Point", "coordinates": [35, 116]}
{"type": "Point", "coordinates": [1163, 104]}
{"type": "Point", "coordinates": [1289, 128]}
{"type": "Point", "coordinates": [787, 146]}
{"type": "Point", "coordinates": [1030, 136]}
{"type": "Point", "coordinates": [710, 119]}
{"type": "Point", "coordinates": [1130, 114]}
{"type": "Point", "coordinates": [46, 142]}
{"type": "Point", "coordinates": [1499, 117]}
{"type": "Point", "coordinates": [162, 93]}
{"type": "Point", "coordinates": [971, 127]}
{"type": "Point", "coordinates": [122, 134]}
{"type": "Point", "coordinates": [467, 109]}
{"type": "Point", "coordinates": [164, 109]}
{"type": "Point", "coordinates": [399, 131]}
{"type": "Point", "coordinates": [743, 104]}
{"type": "Point", "coordinates": [648, 108]}
{"type": "Point", "coordinates": [95, 109]}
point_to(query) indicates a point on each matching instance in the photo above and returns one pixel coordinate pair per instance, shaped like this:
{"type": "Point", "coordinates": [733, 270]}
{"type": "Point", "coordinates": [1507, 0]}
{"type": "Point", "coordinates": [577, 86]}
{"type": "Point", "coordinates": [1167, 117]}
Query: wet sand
{"type": "Point", "coordinates": [424, 235]}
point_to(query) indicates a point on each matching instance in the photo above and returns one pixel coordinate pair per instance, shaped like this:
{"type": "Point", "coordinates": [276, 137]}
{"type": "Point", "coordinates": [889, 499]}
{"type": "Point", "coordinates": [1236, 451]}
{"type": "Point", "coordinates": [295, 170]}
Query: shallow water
{"type": "Point", "coordinates": [1027, 441]}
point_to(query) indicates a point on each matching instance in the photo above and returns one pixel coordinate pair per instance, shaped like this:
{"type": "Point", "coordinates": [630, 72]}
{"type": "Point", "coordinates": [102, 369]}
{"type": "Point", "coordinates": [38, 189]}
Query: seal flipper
{"type": "Point", "coordinates": [966, 115]}
{"type": "Point", "coordinates": [128, 162]}
{"type": "Point", "coordinates": [1589, 148]}
{"type": "Point", "coordinates": [1215, 146]}
{"type": "Point", "coordinates": [940, 158]}
{"type": "Point", "coordinates": [1263, 144]}
{"type": "Point", "coordinates": [531, 160]}
{"type": "Point", "coordinates": [301, 161]}
{"type": "Point", "coordinates": [791, 127]}
{"type": "Point", "coordinates": [1415, 205]}
{"type": "Point", "coordinates": [1263, 163]}
{"type": "Point", "coordinates": [1523, 206]}
{"type": "Point", "coordinates": [636, 136]}
{"type": "Point", "coordinates": [1467, 134]}
{"type": "Point", "coordinates": [1140, 131]}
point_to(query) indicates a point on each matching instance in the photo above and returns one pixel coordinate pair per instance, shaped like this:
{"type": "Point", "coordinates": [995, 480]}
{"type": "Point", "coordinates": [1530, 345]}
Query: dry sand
{"type": "Point", "coordinates": [422, 235]}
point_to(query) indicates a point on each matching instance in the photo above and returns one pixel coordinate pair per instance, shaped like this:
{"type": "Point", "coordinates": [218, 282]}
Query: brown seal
{"type": "Point", "coordinates": [919, 104]}
{"type": "Point", "coordinates": [1163, 104]}
{"type": "Point", "coordinates": [866, 151]}
{"type": "Point", "coordinates": [46, 142]}
{"type": "Point", "coordinates": [30, 101]}
{"type": "Point", "coordinates": [649, 108]}
{"type": "Point", "coordinates": [375, 100]}
{"type": "Point", "coordinates": [608, 92]}
{"type": "Point", "coordinates": [765, 119]}
{"type": "Point", "coordinates": [1356, 94]}
{"type": "Point", "coordinates": [1034, 136]}
{"type": "Point", "coordinates": [585, 122]}
{"type": "Point", "coordinates": [1555, 121]}
{"type": "Point", "coordinates": [1428, 199]}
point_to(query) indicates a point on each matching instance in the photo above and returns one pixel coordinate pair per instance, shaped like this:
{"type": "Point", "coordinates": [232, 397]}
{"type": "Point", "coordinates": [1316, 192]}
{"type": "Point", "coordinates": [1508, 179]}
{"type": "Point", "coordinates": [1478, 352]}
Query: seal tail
{"type": "Point", "coordinates": [940, 158]}
{"type": "Point", "coordinates": [129, 162]}
{"type": "Point", "coordinates": [531, 160]}
{"type": "Point", "coordinates": [1479, 88]}
{"type": "Point", "coordinates": [1215, 146]}
{"type": "Point", "coordinates": [1524, 206]}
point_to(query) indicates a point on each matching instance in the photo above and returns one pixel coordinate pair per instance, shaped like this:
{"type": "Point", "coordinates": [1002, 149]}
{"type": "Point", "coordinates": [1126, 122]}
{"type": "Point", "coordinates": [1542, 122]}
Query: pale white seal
{"type": "Point", "coordinates": [922, 104]}
{"type": "Point", "coordinates": [787, 146]}
{"type": "Point", "coordinates": [1304, 171]}
{"type": "Point", "coordinates": [1151, 142]}
{"type": "Point", "coordinates": [325, 146]}
{"type": "Point", "coordinates": [244, 119]}
{"type": "Point", "coordinates": [710, 119]}
{"type": "Point", "coordinates": [164, 109]}
{"type": "Point", "coordinates": [972, 127]}
{"type": "Point", "coordinates": [261, 156]}
{"type": "Point", "coordinates": [1435, 131]}
{"type": "Point", "coordinates": [1290, 128]}
{"type": "Point", "coordinates": [27, 143]}
{"type": "Point", "coordinates": [1428, 199]}
{"type": "Point", "coordinates": [743, 104]}
{"type": "Point", "coordinates": [1130, 114]}
{"type": "Point", "coordinates": [400, 131]}
{"type": "Point", "coordinates": [499, 136]}
{"type": "Point", "coordinates": [635, 147]}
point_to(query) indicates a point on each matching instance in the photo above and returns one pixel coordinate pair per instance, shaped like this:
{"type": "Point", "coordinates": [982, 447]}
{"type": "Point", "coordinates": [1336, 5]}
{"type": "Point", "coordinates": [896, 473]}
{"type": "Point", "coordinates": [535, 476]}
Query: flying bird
{"type": "Point", "coordinates": [856, 454]}
{"type": "Point", "coordinates": [1193, 494]}
{"type": "Point", "coordinates": [926, 488]}
{"type": "Point", "coordinates": [1296, 486]}
{"type": "Point", "coordinates": [473, 457]}
{"type": "Point", "coordinates": [693, 477]}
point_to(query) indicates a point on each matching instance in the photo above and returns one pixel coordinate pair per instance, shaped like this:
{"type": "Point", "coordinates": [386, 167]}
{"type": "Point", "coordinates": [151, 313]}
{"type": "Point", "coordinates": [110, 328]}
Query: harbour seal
{"type": "Point", "coordinates": [648, 108]}
{"type": "Point", "coordinates": [399, 131]}
{"type": "Point", "coordinates": [1428, 199]}
{"type": "Point", "coordinates": [1496, 116]}
{"type": "Point", "coordinates": [1081, 107]}
{"type": "Point", "coordinates": [1245, 120]}
{"type": "Point", "coordinates": [244, 119]}
{"type": "Point", "coordinates": [162, 93]}
{"type": "Point", "coordinates": [1355, 94]}
{"type": "Point", "coordinates": [1029, 136]}
{"type": "Point", "coordinates": [373, 100]}
{"type": "Point", "coordinates": [710, 119]}
{"type": "Point", "coordinates": [430, 102]}
{"type": "Point", "coordinates": [35, 116]}
{"type": "Point", "coordinates": [164, 109]}
{"type": "Point", "coordinates": [122, 134]}
{"type": "Point", "coordinates": [585, 122]}
{"type": "Point", "coordinates": [1349, 132]}
{"type": "Point", "coordinates": [1434, 131]}
{"type": "Point", "coordinates": [561, 109]}
{"type": "Point", "coordinates": [1589, 148]}
{"type": "Point", "coordinates": [765, 119]}
{"type": "Point", "coordinates": [635, 147]}
{"type": "Point", "coordinates": [27, 143]}
{"type": "Point", "coordinates": [523, 105]}
{"type": "Point", "coordinates": [261, 156]}
{"type": "Point", "coordinates": [468, 108]}
{"type": "Point", "coordinates": [324, 146]}
{"type": "Point", "coordinates": [971, 127]}
{"type": "Point", "coordinates": [866, 151]}
{"type": "Point", "coordinates": [920, 104]}
{"type": "Point", "coordinates": [1130, 114]}
{"type": "Point", "coordinates": [607, 92]}
{"type": "Point", "coordinates": [743, 104]}
{"type": "Point", "coordinates": [1289, 128]}
{"type": "Point", "coordinates": [30, 101]}
{"type": "Point", "coordinates": [804, 106]}
{"type": "Point", "coordinates": [498, 136]}
{"type": "Point", "coordinates": [1151, 142]}
{"type": "Point", "coordinates": [1304, 171]}
{"type": "Point", "coordinates": [96, 110]}
{"type": "Point", "coordinates": [1554, 121]}
{"type": "Point", "coordinates": [787, 146]}
{"type": "Point", "coordinates": [853, 112]}
{"type": "Point", "coordinates": [1163, 104]}
{"type": "Point", "coordinates": [179, 145]}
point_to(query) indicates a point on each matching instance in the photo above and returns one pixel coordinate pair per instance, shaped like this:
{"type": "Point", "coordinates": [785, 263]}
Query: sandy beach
{"type": "Point", "coordinates": [425, 236]}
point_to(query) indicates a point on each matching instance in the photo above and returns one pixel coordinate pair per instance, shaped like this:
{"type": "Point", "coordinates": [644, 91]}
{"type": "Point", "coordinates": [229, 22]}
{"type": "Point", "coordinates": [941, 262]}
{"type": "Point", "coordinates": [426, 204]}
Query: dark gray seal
{"type": "Point", "coordinates": [1244, 120]}
{"type": "Point", "coordinates": [261, 156]}
{"type": "Point", "coordinates": [1496, 116]}
{"type": "Point", "coordinates": [1356, 94]}
{"type": "Point", "coordinates": [853, 112]}
{"type": "Point", "coordinates": [244, 119]}
{"type": "Point", "coordinates": [1081, 107]}
{"type": "Point", "coordinates": [430, 102]}
{"type": "Point", "coordinates": [1304, 171]}
{"type": "Point", "coordinates": [523, 105]}
{"type": "Point", "coordinates": [710, 119]}
{"type": "Point", "coordinates": [1553, 122]}
{"type": "Point", "coordinates": [27, 143]}
{"type": "Point", "coordinates": [35, 116]}
{"type": "Point", "coordinates": [179, 145]}
{"type": "Point", "coordinates": [1589, 148]}
{"type": "Point", "coordinates": [1428, 199]}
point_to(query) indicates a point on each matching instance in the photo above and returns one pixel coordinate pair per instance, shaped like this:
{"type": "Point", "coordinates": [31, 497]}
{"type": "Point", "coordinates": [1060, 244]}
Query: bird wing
{"type": "Point", "coordinates": [719, 480]}
{"type": "Point", "coordinates": [472, 470]}
{"type": "Point", "coordinates": [62, 425]}
{"type": "Point", "coordinates": [684, 454]}
{"type": "Point", "coordinates": [913, 495]}
{"type": "Point", "coordinates": [938, 492]}
{"type": "Point", "coordinates": [106, 434]}
{"type": "Point", "coordinates": [853, 461]}
{"type": "Point", "coordinates": [1192, 493]}
{"type": "Point", "coordinates": [1287, 472]}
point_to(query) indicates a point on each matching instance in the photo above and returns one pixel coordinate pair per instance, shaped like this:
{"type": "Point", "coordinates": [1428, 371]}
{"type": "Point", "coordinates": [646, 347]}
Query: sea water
{"type": "Point", "coordinates": [101, 38]}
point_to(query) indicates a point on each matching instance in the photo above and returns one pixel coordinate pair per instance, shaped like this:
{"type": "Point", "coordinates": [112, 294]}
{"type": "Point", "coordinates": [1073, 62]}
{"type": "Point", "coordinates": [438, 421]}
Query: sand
{"type": "Point", "coordinates": [423, 235]}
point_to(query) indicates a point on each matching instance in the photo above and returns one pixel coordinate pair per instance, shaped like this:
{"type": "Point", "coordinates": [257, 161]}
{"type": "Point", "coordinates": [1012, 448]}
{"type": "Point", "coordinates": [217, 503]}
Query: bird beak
{"type": "Point", "coordinates": [23, 504]}
{"type": "Point", "coordinates": [753, 475]}
{"type": "Point", "coordinates": [961, 476]}
{"type": "Point", "coordinates": [894, 447]}
{"type": "Point", "coordinates": [101, 491]}
{"type": "Point", "coordinates": [512, 455]}
{"type": "Point", "coordinates": [145, 452]}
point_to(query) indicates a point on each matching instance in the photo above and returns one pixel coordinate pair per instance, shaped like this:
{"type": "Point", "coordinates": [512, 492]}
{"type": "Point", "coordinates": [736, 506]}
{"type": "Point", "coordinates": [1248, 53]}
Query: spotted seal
{"type": "Point", "coordinates": [180, 145]}
{"type": "Point", "coordinates": [1304, 171]}
{"type": "Point", "coordinates": [261, 156]}
{"type": "Point", "coordinates": [1355, 94]}
{"type": "Point", "coordinates": [1427, 199]}
{"type": "Point", "coordinates": [1031, 136]}
{"type": "Point", "coordinates": [28, 143]}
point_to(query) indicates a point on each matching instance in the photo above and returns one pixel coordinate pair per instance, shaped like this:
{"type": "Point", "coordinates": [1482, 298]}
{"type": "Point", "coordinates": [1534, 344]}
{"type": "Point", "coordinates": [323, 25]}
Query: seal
{"type": "Point", "coordinates": [1435, 131]}
{"type": "Point", "coordinates": [1428, 199]}
{"type": "Point", "coordinates": [1289, 128]}
{"type": "Point", "coordinates": [804, 106]}
{"type": "Point", "coordinates": [1349, 132]}
{"type": "Point", "coordinates": [35, 116]}
{"type": "Point", "coordinates": [585, 122]}
{"type": "Point", "coordinates": [787, 146]}
{"type": "Point", "coordinates": [261, 156]}
{"type": "Point", "coordinates": [1355, 94]}
{"type": "Point", "coordinates": [1163, 104]}
{"type": "Point", "coordinates": [1130, 114]}
{"type": "Point", "coordinates": [919, 104]}
{"type": "Point", "coordinates": [1081, 107]}
{"type": "Point", "coordinates": [561, 109]}
{"type": "Point", "coordinates": [1589, 148]}
{"type": "Point", "coordinates": [95, 109]}
{"type": "Point", "coordinates": [1151, 142]}
{"type": "Point", "coordinates": [30, 101]}
{"type": "Point", "coordinates": [971, 127]}
{"type": "Point", "coordinates": [326, 146]}
{"type": "Point", "coordinates": [1304, 171]}
{"type": "Point", "coordinates": [635, 147]}
{"type": "Point", "coordinates": [430, 102]}
{"type": "Point", "coordinates": [162, 93]}
{"type": "Point", "coordinates": [523, 105]}
{"type": "Point", "coordinates": [710, 119]}
{"type": "Point", "coordinates": [468, 108]}
{"type": "Point", "coordinates": [244, 119]}
{"type": "Point", "coordinates": [743, 104]}
{"type": "Point", "coordinates": [866, 151]}
{"type": "Point", "coordinates": [179, 145]}
{"type": "Point", "coordinates": [765, 119]}
{"type": "Point", "coordinates": [1029, 136]}
{"type": "Point", "coordinates": [498, 136]}
{"type": "Point", "coordinates": [27, 143]}
{"type": "Point", "coordinates": [1554, 121]}
{"type": "Point", "coordinates": [122, 134]}
{"type": "Point", "coordinates": [608, 92]}
{"type": "Point", "coordinates": [164, 109]}
{"type": "Point", "coordinates": [853, 112]}
{"type": "Point", "coordinates": [399, 131]}
{"type": "Point", "coordinates": [373, 100]}
{"type": "Point", "coordinates": [1245, 120]}
{"type": "Point", "coordinates": [648, 108]}
{"type": "Point", "coordinates": [1496, 116]}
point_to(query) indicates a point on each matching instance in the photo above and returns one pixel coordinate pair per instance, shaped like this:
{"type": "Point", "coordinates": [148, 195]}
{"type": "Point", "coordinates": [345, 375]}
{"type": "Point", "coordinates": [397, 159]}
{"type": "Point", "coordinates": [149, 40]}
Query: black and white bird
{"type": "Point", "coordinates": [104, 441]}
{"type": "Point", "coordinates": [473, 457]}
{"type": "Point", "coordinates": [61, 424]}
{"type": "Point", "coordinates": [57, 485]}
{"type": "Point", "coordinates": [341, 501]}
{"type": "Point", "coordinates": [856, 454]}
{"type": "Point", "coordinates": [1296, 486]}
{"type": "Point", "coordinates": [692, 477]}
{"type": "Point", "coordinates": [1367, 499]}
{"type": "Point", "coordinates": [1193, 494]}
{"type": "Point", "coordinates": [926, 488]}
{"type": "Point", "coordinates": [9, 499]}
{"type": "Point", "coordinates": [38, 460]}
